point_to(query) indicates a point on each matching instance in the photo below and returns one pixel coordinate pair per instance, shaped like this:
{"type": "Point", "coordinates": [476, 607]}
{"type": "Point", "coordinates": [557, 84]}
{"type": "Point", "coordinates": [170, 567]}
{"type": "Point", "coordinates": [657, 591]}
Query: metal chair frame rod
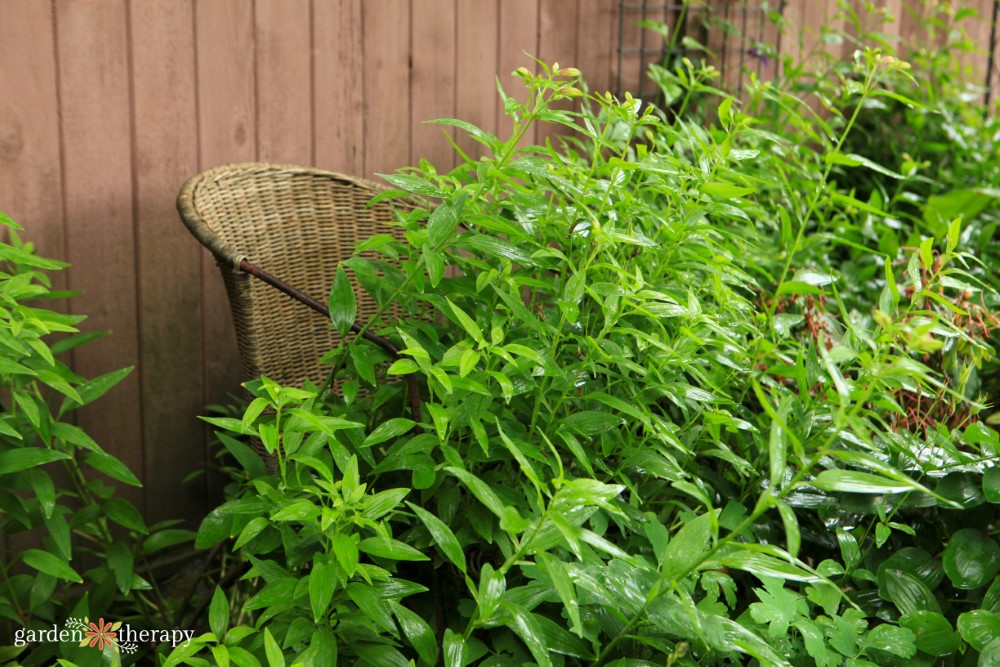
{"type": "Point", "coordinates": [387, 345]}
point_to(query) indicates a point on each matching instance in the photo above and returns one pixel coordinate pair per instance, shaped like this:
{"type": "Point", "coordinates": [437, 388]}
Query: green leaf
{"type": "Point", "coordinates": [854, 160]}
{"type": "Point", "coordinates": [443, 221]}
{"type": "Point", "coordinates": [933, 631]}
{"type": "Point", "coordinates": [850, 481]}
{"type": "Point", "coordinates": [907, 591]}
{"type": "Point", "coordinates": [466, 323]}
{"type": "Point", "coordinates": [91, 390]}
{"type": "Point", "coordinates": [342, 303]}
{"type": "Point", "coordinates": [722, 190]}
{"type": "Point", "coordinates": [120, 561]}
{"type": "Point", "coordinates": [383, 502]}
{"type": "Point", "coordinates": [112, 467]}
{"type": "Point", "coordinates": [763, 565]}
{"type": "Point", "coordinates": [412, 183]}
{"type": "Point", "coordinates": [480, 490]}
{"type": "Point", "coordinates": [979, 627]}
{"type": "Point", "coordinates": [16, 460]}
{"type": "Point", "coordinates": [50, 564]}
{"type": "Point", "coordinates": [384, 547]}
{"type": "Point", "coordinates": [213, 529]}
{"type": "Point", "coordinates": [322, 584]}
{"type": "Point", "coordinates": [417, 630]}
{"type": "Point", "coordinates": [970, 560]}
{"type": "Point", "coordinates": [346, 551]}
{"type": "Point", "coordinates": [218, 613]}
{"type": "Point", "coordinates": [990, 655]}
{"type": "Point", "coordinates": [456, 651]}
{"type": "Point", "coordinates": [793, 537]}
{"type": "Point", "coordinates": [563, 584]}
{"type": "Point", "coordinates": [253, 528]}
{"type": "Point", "coordinates": [688, 547]}
{"type": "Point", "coordinates": [991, 484]}
{"type": "Point", "coordinates": [388, 430]}
{"type": "Point", "coordinates": [528, 629]}
{"type": "Point", "coordinates": [442, 535]}
{"type": "Point", "coordinates": [275, 658]}
{"type": "Point", "coordinates": [917, 562]}
{"type": "Point", "coordinates": [492, 585]}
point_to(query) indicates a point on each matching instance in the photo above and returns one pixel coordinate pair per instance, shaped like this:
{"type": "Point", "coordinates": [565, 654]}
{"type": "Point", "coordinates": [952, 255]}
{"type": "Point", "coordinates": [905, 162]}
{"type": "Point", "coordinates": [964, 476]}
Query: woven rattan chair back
{"type": "Point", "coordinates": [297, 224]}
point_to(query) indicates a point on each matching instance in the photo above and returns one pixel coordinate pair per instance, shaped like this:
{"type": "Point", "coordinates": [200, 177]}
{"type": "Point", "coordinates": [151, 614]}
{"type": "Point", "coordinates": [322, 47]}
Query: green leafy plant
{"type": "Point", "coordinates": [678, 404]}
{"type": "Point", "coordinates": [86, 552]}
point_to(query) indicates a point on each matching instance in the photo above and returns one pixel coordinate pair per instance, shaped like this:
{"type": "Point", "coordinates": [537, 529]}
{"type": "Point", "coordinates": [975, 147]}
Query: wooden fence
{"type": "Point", "coordinates": [107, 106]}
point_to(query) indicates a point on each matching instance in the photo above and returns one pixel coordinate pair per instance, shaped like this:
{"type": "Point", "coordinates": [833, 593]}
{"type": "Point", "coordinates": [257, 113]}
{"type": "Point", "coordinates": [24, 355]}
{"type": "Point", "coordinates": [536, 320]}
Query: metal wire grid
{"type": "Point", "coordinates": [742, 35]}
{"type": "Point", "coordinates": [991, 64]}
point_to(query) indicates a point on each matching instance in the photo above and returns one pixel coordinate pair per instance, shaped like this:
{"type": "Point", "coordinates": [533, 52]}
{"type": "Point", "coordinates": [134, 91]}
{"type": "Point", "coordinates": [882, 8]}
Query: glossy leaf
{"type": "Point", "coordinates": [971, 560]}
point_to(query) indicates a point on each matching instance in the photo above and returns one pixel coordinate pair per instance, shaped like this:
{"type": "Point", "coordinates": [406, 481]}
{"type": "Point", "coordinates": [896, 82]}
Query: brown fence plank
{"type": "Point", "coordinates": [557, 21]}
{"type": "Point", "coordinates": [594, 47]}
{"type": "Point", "coordinates": [432, 81]}
{"type": "Point", "coordinates": [284, 81]}
{"type": "Point", "coordinates": [386, 50]}
{"type": "Point", "coordinates": [339, 86]}
{"type": "Point", "coordinates": [226, 133]}
{"type": "Point", "coordinates": [517, 36]}
{"type": "Point", "coordinates": [477, 70]}
{"type": "Point", "coordinates": [31, 179]}
{"type": "Point", "coordinates": [170, 329]}
{"type": "Point", "coordinates": [94, 95]}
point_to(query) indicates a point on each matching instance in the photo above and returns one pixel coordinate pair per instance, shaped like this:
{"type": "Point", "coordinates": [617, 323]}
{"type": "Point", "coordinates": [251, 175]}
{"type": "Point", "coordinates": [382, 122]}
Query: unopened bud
{"type": "Point", "coordinates": [522, 72]}
{"type": "Point", "coordinates": [570, 91]}
{"type": "Point", "coordinates": [687, 62]}
{"type": "Point", "coordinates": [569, 71]}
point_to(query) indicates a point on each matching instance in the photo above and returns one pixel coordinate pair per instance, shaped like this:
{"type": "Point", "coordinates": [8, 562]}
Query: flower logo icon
{"type": "Point", "coordinates": [101, 634]}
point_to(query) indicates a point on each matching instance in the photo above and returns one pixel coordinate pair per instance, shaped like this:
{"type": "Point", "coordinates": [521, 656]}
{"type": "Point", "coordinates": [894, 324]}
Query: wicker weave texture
{"type": "Point", "coordinates": [298, 224]}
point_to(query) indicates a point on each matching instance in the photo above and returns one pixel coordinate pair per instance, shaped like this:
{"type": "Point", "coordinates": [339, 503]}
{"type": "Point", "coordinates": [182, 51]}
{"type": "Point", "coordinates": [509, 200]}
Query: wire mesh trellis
{"type": "Point", "coordinates": [739, 33]}
{"type": "Point", "coordinates": [991, 64]}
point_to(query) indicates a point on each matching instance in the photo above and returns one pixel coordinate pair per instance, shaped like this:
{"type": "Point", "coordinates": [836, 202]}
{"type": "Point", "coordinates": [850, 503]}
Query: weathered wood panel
{"type": "Point", "coordinates": [30, 176]}
{"type": "Point", "coordinates": [517, 36]}
{"type": "Point", "coordinates": [93, 61]}
{"type": "Point", "coordinates": [170, 322]}
{"type": "Point", "coordinates": [227, 131]}
{"type": "Point", "coordinates": [283, 35]}
{"type": "Point", "coordinates": [434, 37]}
{"type": "Point", "coordinates": [476, 71]}
{"type": "Point", "coordinates": [338, 93]}
{"type": "Point", "coordinates": [387, 85]}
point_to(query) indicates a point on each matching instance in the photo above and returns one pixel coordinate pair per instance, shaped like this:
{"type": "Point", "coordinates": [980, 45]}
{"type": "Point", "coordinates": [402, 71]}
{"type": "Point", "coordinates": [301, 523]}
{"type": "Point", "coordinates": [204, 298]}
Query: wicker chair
{"type": "Point", "coordinates": [297, 224]}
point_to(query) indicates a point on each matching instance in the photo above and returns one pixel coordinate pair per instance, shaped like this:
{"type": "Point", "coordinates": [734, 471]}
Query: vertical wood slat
{"type": "Point", "coordinates": [557, 20]}
{"type": "Point", "coordinates": [226, 133]}
{"type": "Point", "coordinates": [338, 86]}
{"type": "Point", "coordinates": [476, 71]}
{"type": "Point", "coordinates": [92, 42]}
{"type": "Point", "coordinates": [284, 81]}
{"type": "Point", "coordinates": [386, 48]}
{"type": "Point", "coordinates": [517, 34]}
{"type": "Point", "coordinates": [434, 36]}
{"type": "Point", "coordinates": [165, 154]}
{"type": "Point", "coordinates": [594, 45]}
{"type": "Point", "coordinates": [30, 176]}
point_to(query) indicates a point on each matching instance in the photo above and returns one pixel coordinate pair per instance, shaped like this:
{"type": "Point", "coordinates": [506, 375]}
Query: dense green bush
{"type": "Point", "coordinates": [78, 550]}
{"type": "Point", "coordinates": [679, 405]}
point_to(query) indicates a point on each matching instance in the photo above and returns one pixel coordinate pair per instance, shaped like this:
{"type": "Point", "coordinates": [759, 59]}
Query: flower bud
{"type": "Point", "coordinates": [522, 72]}
{"type": "Point", "coordinates": [570, 91]}
{"type": "Point", "coordinates": [569, 71]}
